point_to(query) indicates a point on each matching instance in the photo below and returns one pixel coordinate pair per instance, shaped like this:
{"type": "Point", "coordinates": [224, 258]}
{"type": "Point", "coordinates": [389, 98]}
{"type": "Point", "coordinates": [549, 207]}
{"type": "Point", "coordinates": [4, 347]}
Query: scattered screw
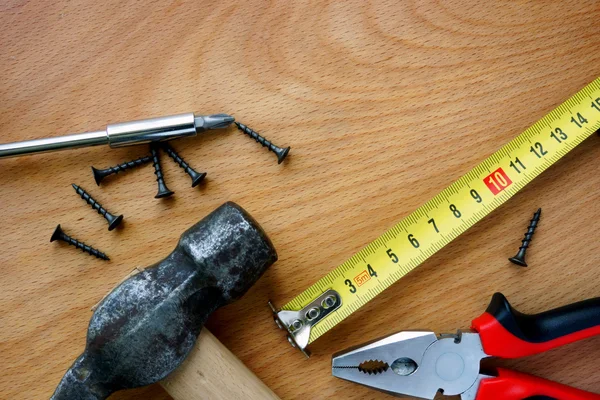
{"type": "Point", "coordinates": [163, 190]}
{"type": "Point", "coordinates": [197, 177]}
{"type": "Point", "coordinates": [113, 221]}
{"type": "Point", "coordinates": [281, 153]}
{"type": "Point", "coordinates": [100, 174]}
{"type": "Point", "coordinates": [519, 259]}
{"type": "Point", "coordinates": [60, 235]}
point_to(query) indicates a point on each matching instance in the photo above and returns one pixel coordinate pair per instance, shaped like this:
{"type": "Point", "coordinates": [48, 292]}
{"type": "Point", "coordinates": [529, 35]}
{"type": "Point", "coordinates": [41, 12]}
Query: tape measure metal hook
{"type": "Point", "coordinates": [439, 221]}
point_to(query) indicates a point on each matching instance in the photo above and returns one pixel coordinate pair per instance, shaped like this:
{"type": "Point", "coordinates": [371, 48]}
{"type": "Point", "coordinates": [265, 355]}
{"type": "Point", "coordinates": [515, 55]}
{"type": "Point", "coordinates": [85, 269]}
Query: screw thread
{"type": "Point", "coordinates": [531, 229]}
{"type": "Point", "coordinates": [156, 163]}
{"type": "Point", "coordinates": [128, 165]}
{"type": "Point", "coordinates": [256, 136]}
{"type": "Point", "coordinates": [86, 248]}
{"type": "Point", "coordinates": [163, 190]}
{"type": "Point", "coordinates": [60, 235]}
{"type": "Point", "coordinates": [176, 157]}
{"type": "Point", "coordinates": [90, 200]}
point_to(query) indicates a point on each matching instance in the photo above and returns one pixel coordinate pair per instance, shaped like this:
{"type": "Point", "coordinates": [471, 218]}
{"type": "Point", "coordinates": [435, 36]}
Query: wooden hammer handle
{"type": "Point", "coordinates": [212, 372]}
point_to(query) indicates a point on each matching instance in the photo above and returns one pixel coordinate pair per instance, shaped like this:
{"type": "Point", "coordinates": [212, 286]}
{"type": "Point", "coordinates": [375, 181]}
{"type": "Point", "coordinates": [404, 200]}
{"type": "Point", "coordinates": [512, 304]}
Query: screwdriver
{"type": "Point", "coordinates": [123, 134]}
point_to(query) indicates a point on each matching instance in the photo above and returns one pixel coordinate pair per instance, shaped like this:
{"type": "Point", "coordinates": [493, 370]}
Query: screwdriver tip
{"type": "Point", "coordinates": [214, 121]}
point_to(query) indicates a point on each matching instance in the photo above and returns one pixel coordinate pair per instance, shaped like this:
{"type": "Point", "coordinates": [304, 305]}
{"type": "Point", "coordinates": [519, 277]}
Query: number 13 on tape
{"type": "Point", "coordinates": [439, 221]}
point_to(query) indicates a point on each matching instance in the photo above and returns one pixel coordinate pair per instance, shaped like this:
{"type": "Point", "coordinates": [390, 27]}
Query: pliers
{"type": "Point", "coordinates": [420, 363]}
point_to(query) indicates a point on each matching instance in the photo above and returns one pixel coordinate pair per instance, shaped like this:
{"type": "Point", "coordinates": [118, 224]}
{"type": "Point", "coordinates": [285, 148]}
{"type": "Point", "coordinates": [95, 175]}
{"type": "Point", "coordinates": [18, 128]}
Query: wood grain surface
{"type": "Point", "coordinates": [384, 104]}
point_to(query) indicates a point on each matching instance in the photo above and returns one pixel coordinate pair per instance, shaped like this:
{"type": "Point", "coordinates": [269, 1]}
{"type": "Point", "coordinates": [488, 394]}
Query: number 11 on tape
{"type": "Point", "coordinates": [439, 221]}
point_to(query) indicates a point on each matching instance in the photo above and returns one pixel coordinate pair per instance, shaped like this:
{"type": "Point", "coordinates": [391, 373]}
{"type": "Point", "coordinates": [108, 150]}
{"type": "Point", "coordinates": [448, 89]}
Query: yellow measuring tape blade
{"type": "Point", "coordinates": [460, 206]}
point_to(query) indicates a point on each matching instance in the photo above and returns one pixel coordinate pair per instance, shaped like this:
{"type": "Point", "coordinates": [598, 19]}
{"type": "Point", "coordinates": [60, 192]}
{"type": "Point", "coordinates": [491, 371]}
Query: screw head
{"type": "Point", "coordinates": [57, 233]}
{"type": "Point", "coordinates": [98, 175]}
{"type": "Point", "coordinates": [282, 154]}
{"type": "Point", "coordinates": [519, 261]}
{"type": "Point", "coordinates": [113, 221]}
{"type": "Point", "coordinates": [197, 177]}
{"type": "Point", "coordinates": [163, 191]}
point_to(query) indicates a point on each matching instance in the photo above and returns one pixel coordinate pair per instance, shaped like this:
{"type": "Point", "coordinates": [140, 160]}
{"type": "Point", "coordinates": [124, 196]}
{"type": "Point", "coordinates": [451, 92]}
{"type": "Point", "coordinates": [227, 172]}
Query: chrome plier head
{"type": "Point", "coordinates": [420, 364]}
{"type": "Point", "coordinates": [414, 363]}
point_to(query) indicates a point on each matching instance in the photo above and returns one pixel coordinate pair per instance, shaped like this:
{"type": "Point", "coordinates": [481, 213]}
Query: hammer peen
{"type": "Point", "coordinates": [145, 327]}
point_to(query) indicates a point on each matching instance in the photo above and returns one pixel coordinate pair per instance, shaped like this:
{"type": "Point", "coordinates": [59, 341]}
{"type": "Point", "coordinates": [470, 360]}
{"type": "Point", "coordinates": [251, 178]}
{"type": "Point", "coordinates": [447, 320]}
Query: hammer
{"type": "Point", "coordinates": [144, 329]}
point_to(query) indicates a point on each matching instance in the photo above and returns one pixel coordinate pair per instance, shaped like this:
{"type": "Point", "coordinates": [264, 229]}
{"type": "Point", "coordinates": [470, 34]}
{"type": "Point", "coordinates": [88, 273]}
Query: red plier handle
{"type": "Point", "coordinates": [507, 333]}
{"type": "Point", "coordinates": [511, 385]}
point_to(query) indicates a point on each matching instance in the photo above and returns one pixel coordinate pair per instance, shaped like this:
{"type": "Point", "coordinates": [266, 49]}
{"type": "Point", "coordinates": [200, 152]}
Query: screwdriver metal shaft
{"type": "Point", "coordinates": [123, 134]}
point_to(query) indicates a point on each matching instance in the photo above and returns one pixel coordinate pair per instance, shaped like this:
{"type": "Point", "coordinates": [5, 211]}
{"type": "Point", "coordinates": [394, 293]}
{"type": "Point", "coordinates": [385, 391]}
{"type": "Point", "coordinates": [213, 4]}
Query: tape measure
{"type": "Point", "coordinates": [439, 221]}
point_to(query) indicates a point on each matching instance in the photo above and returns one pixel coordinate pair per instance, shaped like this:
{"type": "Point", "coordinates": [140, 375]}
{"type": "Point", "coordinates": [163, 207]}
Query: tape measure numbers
{"type": "Point", "coordinates": [439, 221]}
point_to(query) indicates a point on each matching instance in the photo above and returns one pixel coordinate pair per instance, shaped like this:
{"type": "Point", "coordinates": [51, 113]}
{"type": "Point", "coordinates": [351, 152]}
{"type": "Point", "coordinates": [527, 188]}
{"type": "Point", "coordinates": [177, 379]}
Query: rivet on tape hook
{"type": "Point", "coordinates": [299, 323]}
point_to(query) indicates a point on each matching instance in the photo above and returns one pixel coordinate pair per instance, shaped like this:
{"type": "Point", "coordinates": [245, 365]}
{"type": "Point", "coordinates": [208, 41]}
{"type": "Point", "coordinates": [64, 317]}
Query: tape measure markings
{"type": "Point", "coordinates": [480, 191]}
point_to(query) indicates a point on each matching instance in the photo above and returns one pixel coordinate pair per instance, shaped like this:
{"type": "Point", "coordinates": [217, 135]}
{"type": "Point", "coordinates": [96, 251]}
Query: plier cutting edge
{"type": "Point", "coordinates": [420, 363]}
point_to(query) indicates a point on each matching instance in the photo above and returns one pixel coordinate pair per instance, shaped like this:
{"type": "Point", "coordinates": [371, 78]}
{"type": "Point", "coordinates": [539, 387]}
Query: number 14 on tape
{"type": "Point", "coordinates": [439, 221]}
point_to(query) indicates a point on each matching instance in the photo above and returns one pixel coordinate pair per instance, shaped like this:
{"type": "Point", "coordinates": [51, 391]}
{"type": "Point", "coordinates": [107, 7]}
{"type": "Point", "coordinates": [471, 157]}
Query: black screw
{"type": "Point", "coordinates": [163, 190]}
{"type": "Point", "coordinates": [113, 221]}
{"type": "Point", "coordinates": [197, 177]}
{"type": "Point", "coordinates": [281, 153]}
{"type": "Point", "coordinates": [519, 259]}
{"type": "Point", "coordinates": [60, 235]}
{"type": "Point", "coordinates": [100, 174]}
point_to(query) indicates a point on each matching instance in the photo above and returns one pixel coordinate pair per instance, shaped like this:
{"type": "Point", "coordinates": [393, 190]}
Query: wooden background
{"type": "Point", "coordinates": [384, 104]}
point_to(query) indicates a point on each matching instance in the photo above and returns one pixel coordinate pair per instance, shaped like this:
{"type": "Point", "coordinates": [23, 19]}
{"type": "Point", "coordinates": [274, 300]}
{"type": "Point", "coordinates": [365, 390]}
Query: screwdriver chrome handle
{"type": "Point", "coordinates": [123, 134]}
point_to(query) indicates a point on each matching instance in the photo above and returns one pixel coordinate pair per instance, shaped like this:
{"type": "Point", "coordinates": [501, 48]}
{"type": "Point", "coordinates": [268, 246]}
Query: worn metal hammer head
{"type": "Point", "coordinates": [148, 324]}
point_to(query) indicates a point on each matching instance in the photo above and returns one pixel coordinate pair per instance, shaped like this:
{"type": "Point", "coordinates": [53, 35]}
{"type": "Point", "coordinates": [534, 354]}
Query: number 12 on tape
{"type": "Point", "coordinates": [439, 221]}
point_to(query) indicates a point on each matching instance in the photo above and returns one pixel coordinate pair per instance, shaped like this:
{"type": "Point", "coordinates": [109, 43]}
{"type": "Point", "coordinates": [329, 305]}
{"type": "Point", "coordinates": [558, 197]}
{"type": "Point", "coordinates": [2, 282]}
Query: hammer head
{"type": "Point", "coordinates": [148, 324]}
{"type": "Point", "coordinates": [231, 250]}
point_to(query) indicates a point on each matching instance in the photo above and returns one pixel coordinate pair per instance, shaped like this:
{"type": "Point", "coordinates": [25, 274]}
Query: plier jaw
{"type": "Point", "coordinates": [420, 364]}
{"type": "Point", "coordinates": [414, 363]}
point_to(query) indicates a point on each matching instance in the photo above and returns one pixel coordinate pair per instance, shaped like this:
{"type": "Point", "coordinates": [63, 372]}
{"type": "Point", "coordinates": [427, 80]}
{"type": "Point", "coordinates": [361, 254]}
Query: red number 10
{"type": "Point", "coordinates": [497, 181]}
